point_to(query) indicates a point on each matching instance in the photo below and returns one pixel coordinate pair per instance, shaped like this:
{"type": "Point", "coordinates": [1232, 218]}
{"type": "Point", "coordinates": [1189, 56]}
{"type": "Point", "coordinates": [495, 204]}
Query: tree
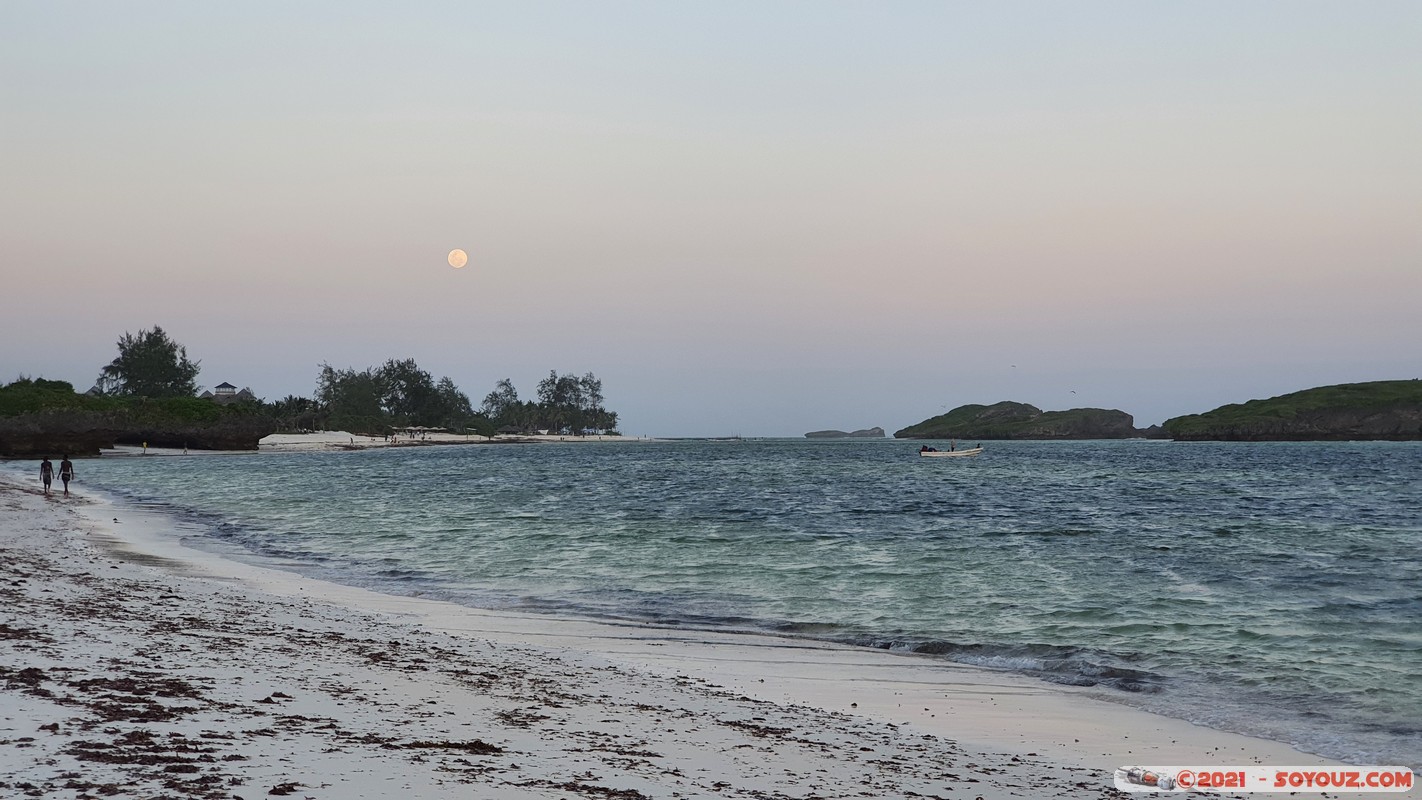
{"type": "Point", "coordinates": [526, 416]}
{"type": "Point", "coordinates": [294, 413]}
{"type": "Point", "coordinates": [561, 391]}
{"type": "Point", "coordinates": [567, 403]}
{"type": "Point", "coordinates": [449, 407]}
{"type": "Point", "coordinates": [150, 365]}
{"type": "Point", "coordinates": [408, 391]}
{"type": "Point", "coordinates": [592, 391]}
{"type": "Point", "coordinates": [606, 421]}
{"type": "Point", "coordinates": [391, 396]}
{"type": "Point", "coordinates": [501, 401]}
{"type": "Point", "coordinates": [351, 400]}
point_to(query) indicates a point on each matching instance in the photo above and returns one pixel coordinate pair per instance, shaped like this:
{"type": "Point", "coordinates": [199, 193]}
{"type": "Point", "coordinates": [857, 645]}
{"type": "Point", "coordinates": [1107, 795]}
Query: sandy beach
{"type": "Point", "coordinates": [331, 441]}
{"type": "Point", "coordinates": [134, 666]}
{"type": "Point", "coordinates": [342, 440]}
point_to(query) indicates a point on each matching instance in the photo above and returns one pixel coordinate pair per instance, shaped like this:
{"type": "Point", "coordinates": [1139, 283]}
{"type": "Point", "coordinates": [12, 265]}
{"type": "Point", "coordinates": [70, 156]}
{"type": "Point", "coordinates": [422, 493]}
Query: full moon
{"type": "Point", "coordinates": [458, 258]}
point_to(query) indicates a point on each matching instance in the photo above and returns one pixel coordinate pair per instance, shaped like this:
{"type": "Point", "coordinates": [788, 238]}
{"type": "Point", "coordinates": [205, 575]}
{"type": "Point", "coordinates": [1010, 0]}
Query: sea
{"type": "Point", "coordinates": [1270, 589]}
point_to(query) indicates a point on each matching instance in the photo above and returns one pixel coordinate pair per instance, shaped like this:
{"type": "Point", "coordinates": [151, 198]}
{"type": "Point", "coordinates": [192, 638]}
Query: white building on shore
{"type": "Point", "coordinates": [225, 393]}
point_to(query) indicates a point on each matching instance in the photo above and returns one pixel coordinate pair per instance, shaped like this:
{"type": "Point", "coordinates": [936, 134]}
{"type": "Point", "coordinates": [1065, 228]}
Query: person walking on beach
{"type": "Point", "coordinates": [66, 473]}
{"type": "Point", "coordinates": [46, 473]}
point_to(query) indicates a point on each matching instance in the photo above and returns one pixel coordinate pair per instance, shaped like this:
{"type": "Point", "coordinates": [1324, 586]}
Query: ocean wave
{"type": "Point", "coordinates": [1191, 585]}
{"type": "Point", "coordinates": [1071, 666]}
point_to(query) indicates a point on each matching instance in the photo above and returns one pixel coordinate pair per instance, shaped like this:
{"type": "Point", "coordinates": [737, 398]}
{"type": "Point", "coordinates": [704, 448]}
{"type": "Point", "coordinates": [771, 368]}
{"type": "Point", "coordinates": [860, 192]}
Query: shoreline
{"type": "Point", "coordinates": [816, 703]}
{"type": "Point", "coordinates": [343, 440]}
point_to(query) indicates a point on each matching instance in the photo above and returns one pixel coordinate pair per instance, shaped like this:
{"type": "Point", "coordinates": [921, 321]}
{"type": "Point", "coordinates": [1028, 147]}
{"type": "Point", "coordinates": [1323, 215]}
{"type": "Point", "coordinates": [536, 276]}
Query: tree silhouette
{"type": "Point", "coordinates": [150, 365]}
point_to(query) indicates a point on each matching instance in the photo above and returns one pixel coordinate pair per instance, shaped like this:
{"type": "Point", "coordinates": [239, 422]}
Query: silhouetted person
{"type": "Point", "coordinates": [46, 474]}
{"type": "Point", "coordinates": [66, 473]}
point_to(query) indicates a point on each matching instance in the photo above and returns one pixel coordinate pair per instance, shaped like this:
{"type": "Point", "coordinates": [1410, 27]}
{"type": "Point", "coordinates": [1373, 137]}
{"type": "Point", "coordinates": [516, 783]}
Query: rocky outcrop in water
{"type": "Point", "coordinates": [40, 435]}
{"type": "Point", "coordinates": [81, 434]}
{"type": "Point", "coordinates": [46, 418]}
{"type": "Point", "coordinates": [1008, 420]}
{"type": "Point", "coordinates": [867, 433]}
{"type": "Point", "coordinates": [231, 434]}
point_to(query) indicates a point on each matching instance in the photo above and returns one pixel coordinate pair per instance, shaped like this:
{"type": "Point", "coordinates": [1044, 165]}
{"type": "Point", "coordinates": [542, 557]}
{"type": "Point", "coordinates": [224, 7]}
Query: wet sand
{"type": "Point", "coordinates": [133, 666]}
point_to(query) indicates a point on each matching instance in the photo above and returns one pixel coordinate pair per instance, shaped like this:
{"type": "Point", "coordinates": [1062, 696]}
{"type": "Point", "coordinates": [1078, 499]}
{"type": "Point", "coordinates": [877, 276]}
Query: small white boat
{"type": "Point", "coordinates": [971, 451]}
{"type": "Point", "coordinates": [950, 453]}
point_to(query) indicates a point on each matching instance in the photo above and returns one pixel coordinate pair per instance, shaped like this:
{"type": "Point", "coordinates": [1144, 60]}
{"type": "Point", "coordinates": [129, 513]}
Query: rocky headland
{"type": "Point", "coordinates": [47, 418]}
{"type": "Point", "coordinates": [1377, 410]}
{"type": "Point", "coordinates": [40, 435]}
{"type": "Point", "coordinates": [81, 435]}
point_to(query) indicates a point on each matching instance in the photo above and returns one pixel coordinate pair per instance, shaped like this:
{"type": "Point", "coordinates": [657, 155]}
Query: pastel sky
{"type": "Point", "coordinates": [746, 217]}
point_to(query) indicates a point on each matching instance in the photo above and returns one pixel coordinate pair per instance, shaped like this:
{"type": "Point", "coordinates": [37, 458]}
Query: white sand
{"type": "Point", "coordinates": [136, 667]}
{"type": "Point", "coordinates": [318, 441]}
{"type": "Point", "coordinates": [342, 440]}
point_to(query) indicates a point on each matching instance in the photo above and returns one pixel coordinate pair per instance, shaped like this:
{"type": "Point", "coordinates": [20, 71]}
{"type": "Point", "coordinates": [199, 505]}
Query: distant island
{"type": "Point", "coordinates": [867, 433]}
{"type": "Point", "coordinates": [1008, 420]}
{"type": "Point", "coordinates": [1378, 410]}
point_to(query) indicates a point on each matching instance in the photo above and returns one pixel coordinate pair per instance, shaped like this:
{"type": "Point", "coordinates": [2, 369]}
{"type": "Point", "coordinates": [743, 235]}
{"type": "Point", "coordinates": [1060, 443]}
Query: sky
{"type": "Point", "coordinates": [746, 218]}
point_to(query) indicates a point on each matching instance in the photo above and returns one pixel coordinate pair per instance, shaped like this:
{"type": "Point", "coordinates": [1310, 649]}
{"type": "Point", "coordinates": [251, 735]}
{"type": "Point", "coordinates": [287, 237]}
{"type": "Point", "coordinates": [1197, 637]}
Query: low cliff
{"type": "Point", "coordinates": [1007, 420]}
{"type": "Point", "coordinates": [238, 433]}
{"type": "Point", "coordinates": [73, 434]}
{"type": "Point", "coordinates": [47, 418]}
{"type": "Point", "coordinates": [867, 433]}
{"type": "Point", "coordinates": [1379, 410]}
{"type": "Point", "coordinates": [85, 434]}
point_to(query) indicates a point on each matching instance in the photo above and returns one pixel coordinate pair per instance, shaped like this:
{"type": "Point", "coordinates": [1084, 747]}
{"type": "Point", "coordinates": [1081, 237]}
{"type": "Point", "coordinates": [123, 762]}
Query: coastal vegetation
{"type": "Point", "coordinates": [566, 404]}
{"type": "Point", "coordinates": [1380, 410]}
{"type": "Point", "coordinates": [397, 394]}
{"type": "Point", "coordinates": [146, 396]}
{"type": "Point", "coordinates": [1008, 420]}
{"type": "Point", "coordinates": [40, 417]}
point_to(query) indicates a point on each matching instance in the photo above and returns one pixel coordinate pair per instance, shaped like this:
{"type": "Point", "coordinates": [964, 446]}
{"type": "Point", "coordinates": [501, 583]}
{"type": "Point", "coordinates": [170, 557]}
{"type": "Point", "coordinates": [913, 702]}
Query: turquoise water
{"type": "Point", "coordinates": [1272, 589]}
